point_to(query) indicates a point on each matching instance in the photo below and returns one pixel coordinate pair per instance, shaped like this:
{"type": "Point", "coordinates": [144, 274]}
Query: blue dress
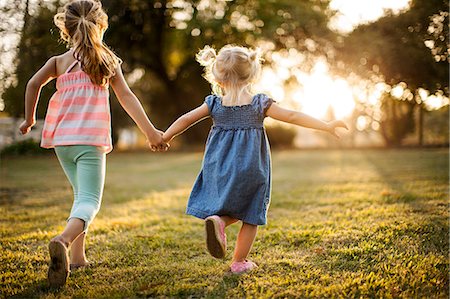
{"type": "Point", "coordinates": [235, 179]}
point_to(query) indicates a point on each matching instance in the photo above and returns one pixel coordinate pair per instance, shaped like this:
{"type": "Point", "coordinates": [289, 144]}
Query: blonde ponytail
{"type": "Point", "coordinates": [82, 24]}
{"type": "Point", "coordinates": [206, 56]}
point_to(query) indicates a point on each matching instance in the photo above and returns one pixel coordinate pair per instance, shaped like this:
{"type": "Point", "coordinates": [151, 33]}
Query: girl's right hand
{"type": "Point", "coordinates": [26, 126]}
{"type": "Point", "coordinates": [332, 125]}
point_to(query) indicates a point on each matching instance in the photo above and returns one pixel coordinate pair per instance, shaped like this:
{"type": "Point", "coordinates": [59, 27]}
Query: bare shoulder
{"type": "Point", "coordinates": [118, 76]}
{"type": "Point", "coordinates": [63, 61]}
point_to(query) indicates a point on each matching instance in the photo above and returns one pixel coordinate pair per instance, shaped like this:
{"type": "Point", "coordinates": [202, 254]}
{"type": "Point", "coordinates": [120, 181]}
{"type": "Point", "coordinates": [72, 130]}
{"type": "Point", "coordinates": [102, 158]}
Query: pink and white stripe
{"type": "Point", "coordinates": [78, 113]}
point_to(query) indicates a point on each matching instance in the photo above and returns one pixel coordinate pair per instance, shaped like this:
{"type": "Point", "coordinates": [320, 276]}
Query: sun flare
{"type": "Point", "coordinates": [316, 94]}
{"type": "Point", "coordinates": [320, 92]}
{"type": "Point", "coordinates": [351, 13]}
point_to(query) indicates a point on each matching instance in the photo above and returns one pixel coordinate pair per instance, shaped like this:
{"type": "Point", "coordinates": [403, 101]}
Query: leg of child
{"type": "Point", "coordinates": [85, 168]}
{"type": "Point", "coordinates": [72, 231]}
{"type": "Point", "coordinates": [91, 168]}
{"type": "Point", "coordinates": [74, 226]}
{"type": "Point", "coordinates": [228, 220]}
{"type": "Point", "coordinates": [59, 267]}
{"type": "Point", "coordinates": [244, 241]}
{"type": "Point", "coordinates": [77, 251]}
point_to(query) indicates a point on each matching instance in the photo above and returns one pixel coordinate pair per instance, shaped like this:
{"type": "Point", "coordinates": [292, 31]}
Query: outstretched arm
{"type": "Point", "coordinates": [133, 107]}
{"type": "Point", "coordinates": [32, 91]}
{"type": "Point", "coordinates": [304, 120]}
{"type": "Point", "coordinates": [185, 121]}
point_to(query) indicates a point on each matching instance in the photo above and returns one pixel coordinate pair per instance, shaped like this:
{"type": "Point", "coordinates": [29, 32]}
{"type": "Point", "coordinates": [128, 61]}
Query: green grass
{"type": "Point", "coordinates": [369, 223]}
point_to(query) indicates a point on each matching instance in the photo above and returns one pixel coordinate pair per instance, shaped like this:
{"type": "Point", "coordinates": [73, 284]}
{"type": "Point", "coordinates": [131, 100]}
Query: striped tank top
{"type": "Point", "coordinates": [78, 113]}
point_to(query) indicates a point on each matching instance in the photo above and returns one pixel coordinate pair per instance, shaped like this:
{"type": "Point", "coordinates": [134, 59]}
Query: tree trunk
{"type": "Point", "coordinates": [26, 21]}
{"type": "Point", "coordinates": [14, 126]}
{"type": "Point", "coordinates": [420, 124]}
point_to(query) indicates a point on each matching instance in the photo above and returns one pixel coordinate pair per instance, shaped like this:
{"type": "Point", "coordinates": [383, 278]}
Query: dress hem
{"type": "Point", "coordinates": [203, 215]}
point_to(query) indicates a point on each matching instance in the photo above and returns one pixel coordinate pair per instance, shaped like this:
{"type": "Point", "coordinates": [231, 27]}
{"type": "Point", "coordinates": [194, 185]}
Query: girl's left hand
{"type": "Point", "coordinates": [332, 125]}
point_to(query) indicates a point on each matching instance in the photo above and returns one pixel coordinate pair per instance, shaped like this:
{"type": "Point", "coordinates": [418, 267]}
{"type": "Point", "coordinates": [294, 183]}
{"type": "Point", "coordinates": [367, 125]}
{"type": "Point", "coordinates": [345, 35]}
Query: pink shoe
{"type": "Point", "coordinates": [242, 267]}
{"type": "Point", "coordinates": [216, 239]}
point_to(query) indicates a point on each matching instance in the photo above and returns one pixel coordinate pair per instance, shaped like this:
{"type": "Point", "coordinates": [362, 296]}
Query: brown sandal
{"type": "Point", "coordinates": [58, 271]}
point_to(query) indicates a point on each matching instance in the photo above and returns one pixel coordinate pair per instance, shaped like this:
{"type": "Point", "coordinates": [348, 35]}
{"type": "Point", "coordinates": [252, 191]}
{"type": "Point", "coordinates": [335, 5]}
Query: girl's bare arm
{"type": "Point", "coordinates": [44, 75]}
{"type": "Point", "coordinates": [186, 121]}
{"type": "Point", "coordinates": [304, 120]}
{"type": "Point", "coordinates": [133, 107]}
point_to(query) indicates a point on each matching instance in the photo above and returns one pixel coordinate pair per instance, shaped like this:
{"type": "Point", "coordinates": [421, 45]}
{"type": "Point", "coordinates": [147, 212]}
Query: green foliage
{"type": "Point", "coordinates": [438, 32]}
{"type": "Point", "coordinates": [401, 48]}
{"type": "Point", "coordinates": [342, 224]}
{"type": "Point", "coordinates": [281, 136]}
{"type": "Point", "coordinates": [394, 46]}
{"type": "Point", "coordinates": [25, 147]}
{"type": "Point", "coordinates": [163, 44]}
{"type": "Point", "coordinates": [149, 36]}
{"type": "Point", "coordinates": [38, 42]}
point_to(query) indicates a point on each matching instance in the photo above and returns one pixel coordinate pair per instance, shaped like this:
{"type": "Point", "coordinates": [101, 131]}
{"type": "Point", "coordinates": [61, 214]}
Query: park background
{"type": "Point", "coordinates": [365, 216]}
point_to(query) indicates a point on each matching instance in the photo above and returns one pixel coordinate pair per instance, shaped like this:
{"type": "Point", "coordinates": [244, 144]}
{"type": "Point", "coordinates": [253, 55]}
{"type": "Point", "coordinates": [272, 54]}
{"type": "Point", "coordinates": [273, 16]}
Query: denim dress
{"type": "Point", "coordinates": [235, 179]}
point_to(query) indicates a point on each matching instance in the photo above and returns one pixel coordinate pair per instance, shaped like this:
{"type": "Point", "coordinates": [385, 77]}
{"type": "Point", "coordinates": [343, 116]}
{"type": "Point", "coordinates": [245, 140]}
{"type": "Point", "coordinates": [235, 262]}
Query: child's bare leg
{"type": "Point", "coordinates": [77, 251]}
{"type": "Point", "coordinates": [73, 229]}
{"type": "Point", "coordinates": [228, 220]}
{"type": "Point", "coordinates": [59, 268]}
{"type": "Point", "coordinates": [244, 242]}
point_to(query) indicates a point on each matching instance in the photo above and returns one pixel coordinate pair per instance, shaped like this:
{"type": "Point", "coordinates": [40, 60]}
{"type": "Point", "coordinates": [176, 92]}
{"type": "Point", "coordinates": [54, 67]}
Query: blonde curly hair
{"type": "Point", "coordinates": [233, 68]}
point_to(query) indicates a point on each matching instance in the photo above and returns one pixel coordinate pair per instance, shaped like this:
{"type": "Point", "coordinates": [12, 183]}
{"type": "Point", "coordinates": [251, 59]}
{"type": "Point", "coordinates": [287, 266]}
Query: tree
{"type": "Point", "coordinates": [38, 42]}
{"type": "Point", "coordinates": [397, 119]}
{"type": "Point", "coordinates": [162, 37]}
{"type": "Point", "coordinates": [398, 48]}
{"type": "Point", "coordinates": [158, 39]}
{"type": "Point", "coordinates": [12, 13]}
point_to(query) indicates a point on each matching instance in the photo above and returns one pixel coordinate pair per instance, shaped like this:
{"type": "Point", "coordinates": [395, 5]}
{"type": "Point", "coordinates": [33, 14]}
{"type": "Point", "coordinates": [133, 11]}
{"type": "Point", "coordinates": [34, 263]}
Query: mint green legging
{"type": "Point", "coordinates": [84, 166]}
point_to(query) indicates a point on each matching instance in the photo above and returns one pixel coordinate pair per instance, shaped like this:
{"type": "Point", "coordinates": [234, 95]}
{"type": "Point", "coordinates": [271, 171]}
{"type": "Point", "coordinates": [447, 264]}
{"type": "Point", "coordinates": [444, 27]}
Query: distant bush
{"type": "Point", "coordinates": [281, 137]}
{"type": "Point", "coordinates": [25, 147]}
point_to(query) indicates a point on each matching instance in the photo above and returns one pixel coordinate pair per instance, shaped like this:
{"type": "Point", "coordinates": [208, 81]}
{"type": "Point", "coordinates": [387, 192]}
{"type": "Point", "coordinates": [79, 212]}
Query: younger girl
{"type": "Point", "coordinates": [78, 122]}
{"type": "Point", "coordinates": [235, 181]}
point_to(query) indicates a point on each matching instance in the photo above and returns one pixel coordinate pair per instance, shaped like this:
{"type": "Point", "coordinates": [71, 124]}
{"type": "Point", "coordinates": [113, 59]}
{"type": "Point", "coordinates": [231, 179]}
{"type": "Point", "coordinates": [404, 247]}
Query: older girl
{"type": "Point", "coordinates": [78, 122]}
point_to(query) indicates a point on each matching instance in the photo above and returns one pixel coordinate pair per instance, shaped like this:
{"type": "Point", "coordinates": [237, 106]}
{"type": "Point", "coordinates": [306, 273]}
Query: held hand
{"type": "Point", "coordinates": [166, 138]}
{"type": "Point", "coordinates": [156, 142]}
{"type": "Point", "coordinates": [332, 125]}
{"type": "Point", "coordinates": [164, 146]}
{"type": "Point", "coordinates": [26, 126]}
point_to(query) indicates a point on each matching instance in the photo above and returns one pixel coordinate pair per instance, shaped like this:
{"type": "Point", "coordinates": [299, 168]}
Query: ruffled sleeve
{"type": "Point", "coordinates": [210, 102]}
{"type": "Point", "coordinates": [263, 103]}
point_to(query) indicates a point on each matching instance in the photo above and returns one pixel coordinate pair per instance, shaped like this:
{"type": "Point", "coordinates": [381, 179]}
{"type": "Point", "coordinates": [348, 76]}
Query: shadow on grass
{"type": "Point", "coordinates": [397, 192]}
{"type": "Point", "coordinates": [38, 289]}
{"type": "Point", "coordinates": [220, 287]}
{"type": "Point", "coordinates": [433, 229]}
{"type": "Point", "coordinates": [400, 251]}
{"type": "Point", "coordinates": [228, 282]}
{"type": "Point", "coordinates": [10, 195]}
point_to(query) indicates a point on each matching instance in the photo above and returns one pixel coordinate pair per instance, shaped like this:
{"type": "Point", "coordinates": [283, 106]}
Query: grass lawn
{"type": "Point", "coordinates": [366, 223]}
